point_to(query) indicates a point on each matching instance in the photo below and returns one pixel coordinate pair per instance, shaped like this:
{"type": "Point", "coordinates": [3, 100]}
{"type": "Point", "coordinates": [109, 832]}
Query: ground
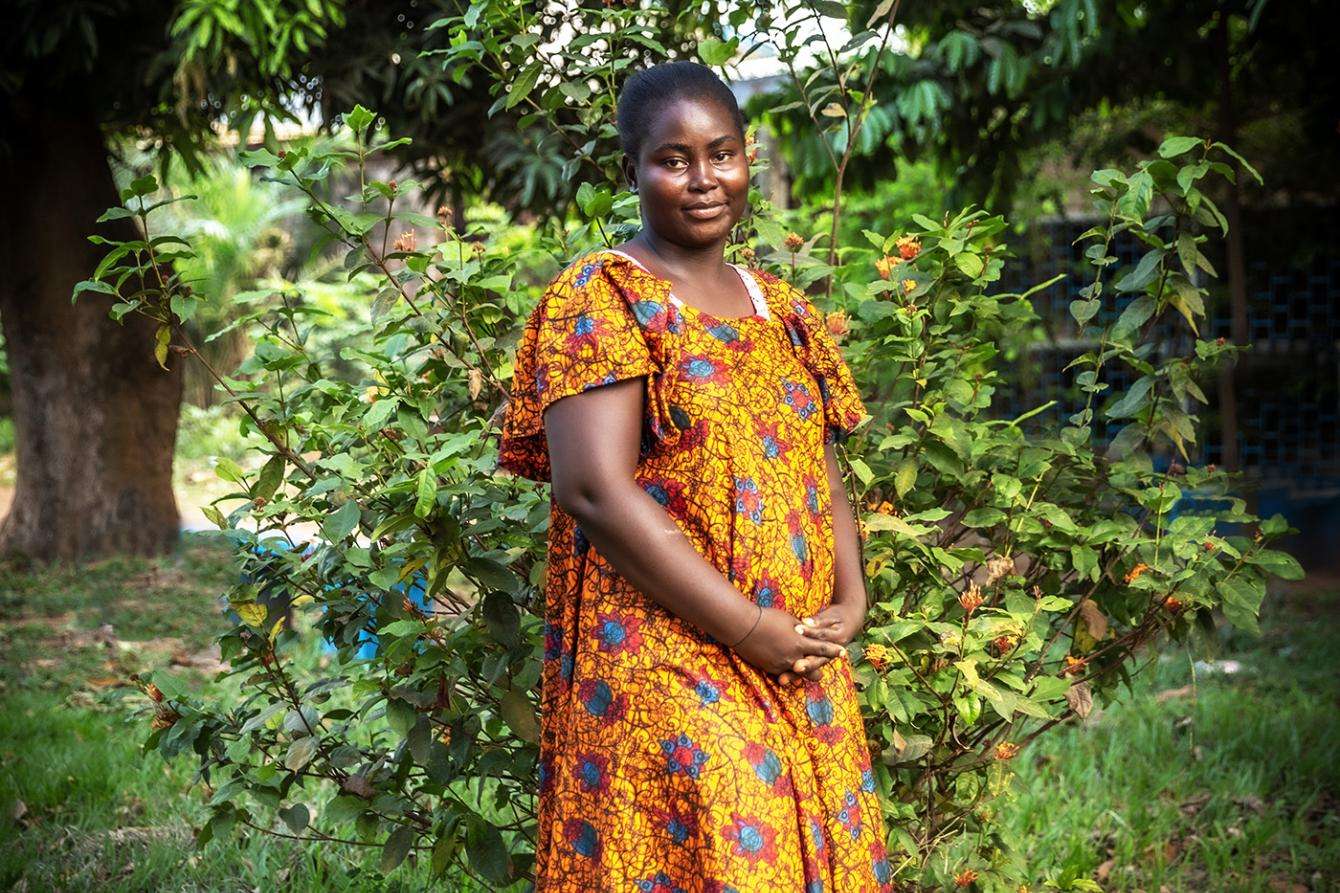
{"type": "Point", "coordinates": [1219, 775]}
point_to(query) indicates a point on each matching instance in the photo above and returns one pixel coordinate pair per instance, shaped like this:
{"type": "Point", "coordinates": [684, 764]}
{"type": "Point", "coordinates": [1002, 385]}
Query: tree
{"type": "Point", "coordinates": [1014, 574]}
{"type": "Point", "coordinates": [981, 85]}
{"type": "Point", "coordinates": [95, 418]}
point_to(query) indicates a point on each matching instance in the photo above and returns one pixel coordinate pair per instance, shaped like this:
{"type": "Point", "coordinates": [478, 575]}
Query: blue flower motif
{"type": "Point", "coordinates": [646, 311]}
{"type": "Point", "coordinates": [798, 546]}
{"type": "Point", "coordinates": [751, 838]}
{"type": "Point", "coordinates": [579, 541]}
{"type": "Point", "coordinates": [868, 780]}
{"type": "Point", "coordinates": [815, 886]}
{"type": "Point", "coordinates": [679, 832]}
{"type": "Point", "coordinates": [699, 367]}
{"type": "Point", "coordinates": [584, 839]}
{"type": "Point", "coordinates": [587, 272]}
{"type": "Point", "coordinates": [553, 640]}
{"type": "Point", "coordinates": [565, 663]}
{"type": "Point", "coordinates": [707, 692]}
{"type": "Point", "coordinates": [657, 492]}
{"type": "Point", "coordinates": [589, 773]}
{"type": "Point", "coordinates": [817, 835]}
{"type": "Point", "coordinates": [583, 324]}
{"type": "Point", "coordinates": [769, 768]}
{"type": "Point", "coordinates": [820, 710]}
{"type": "Point", "coordinates": [662, 883]}
{"type": "Point", "coordinates": [598, 701]}
{"type": "Point", "coordinates": [607, 379]}
{"type": "Point", "coordinates": [612, 633]}
{"type": "Point", "coordinates": [882, 870]}
{"type": "Point", "coordinates": [682, 755]}
{"type": "Point", "coordinates": [724, 332]}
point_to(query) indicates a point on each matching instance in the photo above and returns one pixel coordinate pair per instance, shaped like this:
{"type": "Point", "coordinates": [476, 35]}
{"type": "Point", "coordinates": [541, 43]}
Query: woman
{"type": "Point", "coordinates": [696, 734]}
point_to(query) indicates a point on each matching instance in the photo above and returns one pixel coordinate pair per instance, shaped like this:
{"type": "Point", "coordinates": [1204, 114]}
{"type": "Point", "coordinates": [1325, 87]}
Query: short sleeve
{"type": "Point", "coordinates": [582, 334]}
{"type": "Point", "coordinates": [843, 407]}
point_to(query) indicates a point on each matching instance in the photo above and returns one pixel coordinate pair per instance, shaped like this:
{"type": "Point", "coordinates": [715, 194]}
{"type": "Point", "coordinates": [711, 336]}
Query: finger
{"type": "Point", "coordinates": [812, 646]}
{"type": "Point", "coordinates": [814, 675]}
{"type": "Point", "coordinates": [814, 632]}
{"type": "Point", "coordinates": [806, 665]}
{"type": "Point", "coordinates": [785, 678]}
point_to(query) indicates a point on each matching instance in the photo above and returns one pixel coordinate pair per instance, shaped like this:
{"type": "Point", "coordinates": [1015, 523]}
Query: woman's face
{"type": "Point", "coordinates": [691, 173]}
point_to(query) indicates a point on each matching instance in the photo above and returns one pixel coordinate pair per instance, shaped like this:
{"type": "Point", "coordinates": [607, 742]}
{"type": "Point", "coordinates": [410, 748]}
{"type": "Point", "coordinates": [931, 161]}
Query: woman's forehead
{"type": "Point", "coordinates": [690, 121]}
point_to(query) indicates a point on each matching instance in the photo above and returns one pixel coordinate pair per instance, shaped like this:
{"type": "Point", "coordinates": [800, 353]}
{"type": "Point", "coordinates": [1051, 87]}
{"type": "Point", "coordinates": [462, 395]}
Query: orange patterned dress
{"type": "Point", "coordinates": [667, 762]}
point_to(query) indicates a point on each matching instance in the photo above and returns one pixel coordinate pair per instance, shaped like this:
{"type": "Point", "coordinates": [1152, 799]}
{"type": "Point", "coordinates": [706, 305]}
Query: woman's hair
{"type": "Point", "coordinates": [648, 90]}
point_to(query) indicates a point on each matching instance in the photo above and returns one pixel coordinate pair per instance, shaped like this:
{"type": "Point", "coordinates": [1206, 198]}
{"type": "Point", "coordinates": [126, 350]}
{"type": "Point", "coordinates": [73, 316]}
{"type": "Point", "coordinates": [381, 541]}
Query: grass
{"type": "Point", "coordinates": [1191, 782]}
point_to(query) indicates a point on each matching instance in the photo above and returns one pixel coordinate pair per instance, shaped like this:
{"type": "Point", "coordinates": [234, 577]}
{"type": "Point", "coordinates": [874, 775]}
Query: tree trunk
{"type": "Point", "coordinates": [95, 417]}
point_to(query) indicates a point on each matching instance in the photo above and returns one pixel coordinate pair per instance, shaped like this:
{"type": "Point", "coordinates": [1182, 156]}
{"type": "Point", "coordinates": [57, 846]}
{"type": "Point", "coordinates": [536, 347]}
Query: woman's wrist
{"type": "Point", "coordinates": [757, 617]}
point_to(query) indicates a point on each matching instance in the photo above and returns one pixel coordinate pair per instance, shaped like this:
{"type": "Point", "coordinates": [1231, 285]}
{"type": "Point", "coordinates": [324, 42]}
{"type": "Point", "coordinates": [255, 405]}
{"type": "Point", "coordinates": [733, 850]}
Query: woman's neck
{"type": "Point", "coordinates": [677, 262]}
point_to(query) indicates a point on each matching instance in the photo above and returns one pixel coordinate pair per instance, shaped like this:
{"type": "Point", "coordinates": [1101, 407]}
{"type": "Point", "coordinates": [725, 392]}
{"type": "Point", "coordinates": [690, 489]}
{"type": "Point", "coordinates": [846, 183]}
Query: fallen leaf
{"type": "Point", "coordinates": [1100, 874]}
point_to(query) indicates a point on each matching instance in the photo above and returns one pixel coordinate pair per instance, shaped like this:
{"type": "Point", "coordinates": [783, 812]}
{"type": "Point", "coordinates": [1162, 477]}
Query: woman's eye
{"type": "Point", "coordinates": [721, 155]}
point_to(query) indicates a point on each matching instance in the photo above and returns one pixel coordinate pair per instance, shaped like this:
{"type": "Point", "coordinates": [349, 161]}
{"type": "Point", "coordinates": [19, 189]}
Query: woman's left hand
{"type": "Point", "coordinates": [838, 623]}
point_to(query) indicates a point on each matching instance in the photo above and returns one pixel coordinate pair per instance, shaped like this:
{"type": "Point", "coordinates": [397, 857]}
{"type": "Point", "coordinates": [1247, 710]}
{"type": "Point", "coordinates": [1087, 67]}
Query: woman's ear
{"type": "Point", "coordinates": [629, 172]}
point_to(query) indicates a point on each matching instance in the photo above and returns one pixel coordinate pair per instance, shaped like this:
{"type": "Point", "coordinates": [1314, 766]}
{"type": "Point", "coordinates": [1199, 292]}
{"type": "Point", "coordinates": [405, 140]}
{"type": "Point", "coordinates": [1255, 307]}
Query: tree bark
{"type": "Point", "coordinates": [95, 417]}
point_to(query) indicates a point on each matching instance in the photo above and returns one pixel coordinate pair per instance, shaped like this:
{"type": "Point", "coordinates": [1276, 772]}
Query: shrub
{"type": "Point", "coordinates": [1015, 574]}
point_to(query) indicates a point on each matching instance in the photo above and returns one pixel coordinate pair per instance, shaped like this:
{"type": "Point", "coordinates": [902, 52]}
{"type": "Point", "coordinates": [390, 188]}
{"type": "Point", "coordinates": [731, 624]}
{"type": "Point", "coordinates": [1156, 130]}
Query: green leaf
{"type": "Point", "coordinates": [971, 264]}
{"type": "Point", "coordinates": [501, 617]}
{"type": "Point", "coordinates": [519, 714]}
{"type": "Point", "coordinates": [271, 476]}
{"type": "Point", "coordinates": [520, 88]}
{"type": "Point", "coordinates": [396, 849]}
{"type": "Point", "coordinates": [162, 339]}
{"type": "Point", "coordinates": [296, 817]}
{"type": "Point", "coordinates": [341, 522]}
{"type": "Point", "coordinates": [1242, 601]}
{"type": "Point", "coordinates": [1251, 170]}
{"type": "Point", "coordinates": [905, 477]}
{"type": "Point", "coordinates": [1144, 272]}
{"type": "Point", "coordinates": [1178, 145]}
{"type": "Point", "coordinates": [300, 752]}
{"type": "Point", "coordinates": [427, 493]}
{"type": "Point", "coordinates": [983, 517]}
{"type": "Point", "coordinates": [1281, 564]}
{"type": "Point", "coordinates": [714, 51]}
{"type": "Point", "coordinates": [1132, 401]}
{"type": "Point", "coordinates": [358, 119]}
{"type": "Point", "coordinates": [1083, 311]}
{"type": "Point", "coordinates": [488, 853]}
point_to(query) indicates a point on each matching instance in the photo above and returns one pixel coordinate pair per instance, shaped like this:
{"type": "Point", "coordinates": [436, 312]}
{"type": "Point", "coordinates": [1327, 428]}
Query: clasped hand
{"type": "Point", "coordinates": [792, 649]}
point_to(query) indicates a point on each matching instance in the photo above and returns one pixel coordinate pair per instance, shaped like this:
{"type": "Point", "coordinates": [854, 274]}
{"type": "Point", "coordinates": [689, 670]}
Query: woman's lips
{"type": "Point", "coordinates": [706, 213]}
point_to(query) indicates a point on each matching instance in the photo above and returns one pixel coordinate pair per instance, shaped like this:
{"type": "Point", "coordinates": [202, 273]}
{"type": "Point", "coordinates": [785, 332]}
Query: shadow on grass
{"type": "Point", "coordinates": [1198, 781]}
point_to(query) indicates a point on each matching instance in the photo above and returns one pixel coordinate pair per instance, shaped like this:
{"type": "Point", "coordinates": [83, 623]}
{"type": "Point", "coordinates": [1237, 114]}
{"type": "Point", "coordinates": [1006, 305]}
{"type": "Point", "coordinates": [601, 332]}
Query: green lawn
{"type": "Point", "coordinates": [1200, 783]}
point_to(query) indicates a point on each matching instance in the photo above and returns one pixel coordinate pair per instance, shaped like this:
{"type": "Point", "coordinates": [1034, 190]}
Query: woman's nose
{"type": "Point", "coordinates": [703, 175]}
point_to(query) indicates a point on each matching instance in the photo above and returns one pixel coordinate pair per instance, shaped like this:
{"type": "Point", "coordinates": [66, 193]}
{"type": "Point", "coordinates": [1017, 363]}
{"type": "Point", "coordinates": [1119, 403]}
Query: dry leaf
{"type": "Point", "coordinates": [1080, 699]}
{"type": "Point", "coordinates": [1093, 619]}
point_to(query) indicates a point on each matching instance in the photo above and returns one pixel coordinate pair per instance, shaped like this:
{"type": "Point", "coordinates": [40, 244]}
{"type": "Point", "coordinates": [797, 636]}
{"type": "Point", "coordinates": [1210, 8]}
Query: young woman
{"type": "Point", "coordinates": [700, 729]}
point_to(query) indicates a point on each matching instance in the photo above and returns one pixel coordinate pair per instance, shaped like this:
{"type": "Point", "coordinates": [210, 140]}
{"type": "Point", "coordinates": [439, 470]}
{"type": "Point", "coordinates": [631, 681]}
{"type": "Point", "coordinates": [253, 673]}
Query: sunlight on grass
{"type": "Point", "coordinates": [1204, 781]}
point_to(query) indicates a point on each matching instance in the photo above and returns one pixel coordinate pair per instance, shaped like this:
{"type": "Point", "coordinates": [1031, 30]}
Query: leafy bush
{"type": "Point", "coordinates": [1015, 576]}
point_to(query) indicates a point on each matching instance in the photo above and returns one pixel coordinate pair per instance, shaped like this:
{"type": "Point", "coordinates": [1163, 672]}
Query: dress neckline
{"type": "Point", "coordinates": [761, 311]}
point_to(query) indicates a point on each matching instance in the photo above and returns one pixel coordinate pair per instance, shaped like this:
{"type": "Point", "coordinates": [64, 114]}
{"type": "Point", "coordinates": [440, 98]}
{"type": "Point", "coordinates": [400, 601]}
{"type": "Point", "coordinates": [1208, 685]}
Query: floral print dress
{"type": "Point", "coordinates": [667, 762]}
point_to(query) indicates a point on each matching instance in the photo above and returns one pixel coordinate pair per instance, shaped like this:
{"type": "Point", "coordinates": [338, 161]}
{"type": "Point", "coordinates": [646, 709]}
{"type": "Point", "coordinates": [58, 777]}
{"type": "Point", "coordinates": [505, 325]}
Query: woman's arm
{"type": "Point", "coordinates": [593, 442]}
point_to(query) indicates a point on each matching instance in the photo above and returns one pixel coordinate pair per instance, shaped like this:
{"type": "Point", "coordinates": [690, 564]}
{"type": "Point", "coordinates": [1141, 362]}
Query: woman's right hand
{"type": "Point", "coordinates": [775, 647]}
